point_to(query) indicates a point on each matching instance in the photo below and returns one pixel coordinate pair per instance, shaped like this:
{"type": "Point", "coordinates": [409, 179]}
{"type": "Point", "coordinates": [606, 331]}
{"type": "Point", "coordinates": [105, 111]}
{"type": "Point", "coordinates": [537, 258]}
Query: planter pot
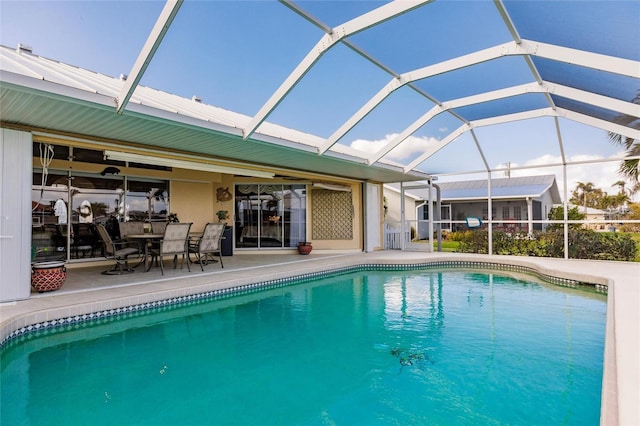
{"type": "Point", "coordinates": [48, 276]}
{"type": "Point", "coordinates": [304, 248]}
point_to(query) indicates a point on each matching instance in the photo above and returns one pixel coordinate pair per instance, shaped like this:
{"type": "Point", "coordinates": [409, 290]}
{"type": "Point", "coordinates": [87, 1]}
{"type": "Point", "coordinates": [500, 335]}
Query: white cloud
{"type": "Point", "coordinates": [409, 148]}
{"type": "Point", "coordinates": [602, 175]}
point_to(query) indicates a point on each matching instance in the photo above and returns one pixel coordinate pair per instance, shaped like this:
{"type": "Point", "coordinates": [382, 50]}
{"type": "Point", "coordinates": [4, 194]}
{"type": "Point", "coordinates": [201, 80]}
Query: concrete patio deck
{"type": "Point", "coordinates": [88, 291]}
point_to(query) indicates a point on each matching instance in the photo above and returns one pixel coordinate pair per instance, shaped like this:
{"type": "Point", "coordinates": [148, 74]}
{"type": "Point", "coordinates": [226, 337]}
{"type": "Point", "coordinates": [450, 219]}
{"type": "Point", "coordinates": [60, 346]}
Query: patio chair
{"type": "Point", "coordinates": [120, 252]}
{"type": "Point", "coordinates": [209, 243]}
{"type": "Point", "coordinates": [158, 227]}
{"type": "Point", "coordinates": [85, 239]}
{"type": "Point", "coordinates": [174, 242]}
{"type": "Point", "coordinates": [131, 227]}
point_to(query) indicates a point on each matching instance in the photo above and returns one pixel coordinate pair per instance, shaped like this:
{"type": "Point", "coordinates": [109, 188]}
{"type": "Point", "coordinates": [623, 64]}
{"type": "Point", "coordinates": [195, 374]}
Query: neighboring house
{"type": "Point", "coordinates": [393, 200]}
{"type": "Point", "coordinates": [592, 214]}
{"type": "Point", "coordinates": [517, 202]}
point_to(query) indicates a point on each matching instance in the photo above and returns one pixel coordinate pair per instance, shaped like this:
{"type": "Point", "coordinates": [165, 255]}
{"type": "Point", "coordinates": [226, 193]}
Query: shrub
{"type": "Point", "coordinates": [583, 244]}
{"type": "Point", "coordinates": [473, 241]}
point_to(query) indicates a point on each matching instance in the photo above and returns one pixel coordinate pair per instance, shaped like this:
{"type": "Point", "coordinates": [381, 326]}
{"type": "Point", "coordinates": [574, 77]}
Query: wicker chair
{"type": "Point", "coordinates": [209, 243]}
{"type": "Point", "coordinates": [174, 242]}
{"type": "Point", "coordinates": [120, 252]}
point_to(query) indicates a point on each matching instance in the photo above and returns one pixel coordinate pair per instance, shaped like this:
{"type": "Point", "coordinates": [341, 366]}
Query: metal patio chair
{"type": "Point", "coordinates": [120, 252]}
{"type": "Point", "coordinates": [210, 243]}
{"type": "Point", "coordinates": [174, 242]}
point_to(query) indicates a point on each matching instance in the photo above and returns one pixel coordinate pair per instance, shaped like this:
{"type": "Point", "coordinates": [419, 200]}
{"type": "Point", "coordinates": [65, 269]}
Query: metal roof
{"type": "Point", "coordinates": [551, 62]}
{"type": "Point", "coordinates": [501, 188]}
{"type": "Point", "coordinates": [51, 96]}
{"type": "Point", "coordinates": [517, 187]}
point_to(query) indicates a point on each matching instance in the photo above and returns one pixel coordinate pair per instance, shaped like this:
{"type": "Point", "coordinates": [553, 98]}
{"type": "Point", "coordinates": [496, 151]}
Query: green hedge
{"type": "Point", "coordinates": [583, 244]}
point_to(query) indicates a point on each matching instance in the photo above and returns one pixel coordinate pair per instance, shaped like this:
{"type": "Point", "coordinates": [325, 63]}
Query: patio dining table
{"type": "Point", "coordinates": [145, 239]}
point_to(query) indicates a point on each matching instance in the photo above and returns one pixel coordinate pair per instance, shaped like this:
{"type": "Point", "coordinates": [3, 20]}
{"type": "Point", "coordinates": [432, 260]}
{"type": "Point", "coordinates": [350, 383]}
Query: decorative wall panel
{"type": "Point", "coordinates": [332, 213]}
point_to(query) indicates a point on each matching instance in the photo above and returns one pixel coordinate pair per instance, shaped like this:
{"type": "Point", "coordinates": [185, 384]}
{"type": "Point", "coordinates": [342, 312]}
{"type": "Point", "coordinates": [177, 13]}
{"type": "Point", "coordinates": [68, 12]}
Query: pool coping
{"type": "Point", "coordinates": [620, 279]}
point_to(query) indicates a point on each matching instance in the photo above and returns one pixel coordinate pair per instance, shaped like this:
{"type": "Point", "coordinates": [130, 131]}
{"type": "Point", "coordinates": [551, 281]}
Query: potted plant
{"type": "Point", "coordinates": [304, 247]}
{"type": "Point", "coordinates": [222, 215]}
{"type": "Point", "coordinates": [48, 276]}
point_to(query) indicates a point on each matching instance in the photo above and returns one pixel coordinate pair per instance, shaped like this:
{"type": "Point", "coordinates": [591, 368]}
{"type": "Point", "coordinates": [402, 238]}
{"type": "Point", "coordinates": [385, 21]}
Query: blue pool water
{"type": "Point", "coordinates": [365, 348]}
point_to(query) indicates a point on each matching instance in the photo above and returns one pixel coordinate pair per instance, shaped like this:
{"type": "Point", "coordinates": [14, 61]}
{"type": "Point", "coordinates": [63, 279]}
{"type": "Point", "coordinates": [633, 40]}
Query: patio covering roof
{"type": "Point", "coordinates": [425, 79]}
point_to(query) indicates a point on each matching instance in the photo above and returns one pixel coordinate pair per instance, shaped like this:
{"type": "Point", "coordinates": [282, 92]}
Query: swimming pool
{"type": "Point", "coordinates": [368, 347]}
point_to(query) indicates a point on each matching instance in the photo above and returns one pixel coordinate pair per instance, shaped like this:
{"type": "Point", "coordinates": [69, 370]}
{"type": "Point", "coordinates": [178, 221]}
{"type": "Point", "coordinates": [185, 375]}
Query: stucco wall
{"type": "Point", "coordinates": [193, 202]}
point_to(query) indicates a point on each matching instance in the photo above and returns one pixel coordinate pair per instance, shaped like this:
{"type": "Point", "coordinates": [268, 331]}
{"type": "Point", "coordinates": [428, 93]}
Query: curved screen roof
{"type": "Point", "coordinates": [415, 88]}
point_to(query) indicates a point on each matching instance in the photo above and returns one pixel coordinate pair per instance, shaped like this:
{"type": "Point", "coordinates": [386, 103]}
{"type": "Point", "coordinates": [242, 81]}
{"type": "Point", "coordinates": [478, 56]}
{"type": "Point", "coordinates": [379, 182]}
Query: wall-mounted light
{"type": "Point", "coordinates": [184, 164]}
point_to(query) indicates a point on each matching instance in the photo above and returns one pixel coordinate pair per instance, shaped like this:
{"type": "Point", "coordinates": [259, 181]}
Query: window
{"type": "Point", "coordinates": [517, 212]}
{"type": "Point", "coordinates": [485, 213]}
{"type": "Point", "coordinates": [445, 211]}
{"type": "Point", "coordinates": [67, 206]}
{"type": "Point", "coordinates": [505, 212]}
{"type": "Point", "coordinates": [146, 200]}
{"type": "Point", "coordinates": [49, 214]}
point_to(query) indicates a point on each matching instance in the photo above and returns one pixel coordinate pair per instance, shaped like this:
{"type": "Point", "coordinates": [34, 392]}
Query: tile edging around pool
{"type": "Point", "coordinates": [61, 324]}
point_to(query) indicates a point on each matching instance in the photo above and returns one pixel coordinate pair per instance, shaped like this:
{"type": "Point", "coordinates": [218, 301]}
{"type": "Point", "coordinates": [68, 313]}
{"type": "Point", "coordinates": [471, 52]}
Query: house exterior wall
{"type": "Point", "coordinates": [547, 204]}
{"type": "Point", "coordinates": [394, 202]}
{"type": "Point", "coordinates": [193, 202]}
{"type": "Point", "coordinates": [597, 226]}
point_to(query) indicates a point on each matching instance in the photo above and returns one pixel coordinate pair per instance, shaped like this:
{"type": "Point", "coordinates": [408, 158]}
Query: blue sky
{"type": "Point", "coordinates": [234, 54]}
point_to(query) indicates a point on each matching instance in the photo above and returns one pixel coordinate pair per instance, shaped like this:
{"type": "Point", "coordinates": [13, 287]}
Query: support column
{"type": "Point", "coordinates": [15, 214]}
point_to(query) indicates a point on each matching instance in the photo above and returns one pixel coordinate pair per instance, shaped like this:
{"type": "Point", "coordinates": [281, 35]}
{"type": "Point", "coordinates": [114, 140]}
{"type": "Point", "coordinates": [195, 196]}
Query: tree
{"type": "Point", "coordinates": [618, 200]}
{"type": "Point", "coordinates": [629, 169]}
{"type": "Point", "coordinates": [586, 195]}
{"type": "Point", "coordinates": [99, 209]}
{"type": "Point", "coordinates": [621, 184]}
{"type": "Point", "coordinates": [632, 214]}
{"type": "Point", "coordinates": [557, 213]}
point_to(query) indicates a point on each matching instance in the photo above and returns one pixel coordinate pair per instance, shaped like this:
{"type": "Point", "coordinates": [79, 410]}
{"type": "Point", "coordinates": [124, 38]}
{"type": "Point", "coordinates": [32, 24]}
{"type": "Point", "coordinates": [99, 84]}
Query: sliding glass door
{"type": "Point", "coordinates": [270, 216]}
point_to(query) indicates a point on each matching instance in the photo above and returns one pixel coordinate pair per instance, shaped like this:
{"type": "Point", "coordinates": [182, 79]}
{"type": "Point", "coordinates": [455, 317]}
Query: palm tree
{"type": "Point", "coordinates": [582, 193]}
{"type": "Point", "coordinates": [621, 184]}
{"type": "Point", "coordinates": [628, 168]}
{"type": "Point", "coordinates": [624, 194]}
